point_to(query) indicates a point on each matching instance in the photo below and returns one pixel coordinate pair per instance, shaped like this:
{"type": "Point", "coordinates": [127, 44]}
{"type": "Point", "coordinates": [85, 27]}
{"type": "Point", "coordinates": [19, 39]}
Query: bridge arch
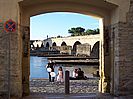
{"type": "Point", "coordinates": [47, 44]}
{"type": "Point", "coordinates": [54, 44]}
{"type": "Point", "coordinates": [74, 46]}
{"type": "Point", "coordinates": [63, 44]}
{"type": "Point", "coordinates": [95, 50]}
{"type": "Point", "coordinates": [97, 8]}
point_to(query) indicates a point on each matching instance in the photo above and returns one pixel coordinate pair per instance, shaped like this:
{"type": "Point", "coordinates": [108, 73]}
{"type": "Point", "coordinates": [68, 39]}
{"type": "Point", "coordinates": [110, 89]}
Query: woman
{"type": "Point", "coordinates": [75, 73]}
{"type": "Point", "coordinates": [60, 75]}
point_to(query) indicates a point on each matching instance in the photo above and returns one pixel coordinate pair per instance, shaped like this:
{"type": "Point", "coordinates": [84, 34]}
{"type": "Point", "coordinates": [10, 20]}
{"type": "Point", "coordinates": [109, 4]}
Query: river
{"type": "Point", "coordinates": [38, 68]}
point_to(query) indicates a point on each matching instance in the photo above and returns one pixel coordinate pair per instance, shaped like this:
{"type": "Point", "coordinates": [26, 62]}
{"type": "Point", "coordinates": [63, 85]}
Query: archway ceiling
{"type": "Point", "coordinates": [100, 3]}
{"type": "Point", "coordinates": [36, 7]}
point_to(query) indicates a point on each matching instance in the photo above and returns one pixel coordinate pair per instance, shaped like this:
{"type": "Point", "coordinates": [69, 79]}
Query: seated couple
{"type": "Point", "coordinates": [78, 74]}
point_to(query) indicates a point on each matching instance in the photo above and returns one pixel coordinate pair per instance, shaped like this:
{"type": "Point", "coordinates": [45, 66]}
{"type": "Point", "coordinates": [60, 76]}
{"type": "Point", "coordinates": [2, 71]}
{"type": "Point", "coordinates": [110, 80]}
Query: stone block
{"type": "Point", "coordinates": [13, 57]}
{"type": "Point", "coordinates": [14, 42]}
{"type": "Point", "coordinates": [16, 89]}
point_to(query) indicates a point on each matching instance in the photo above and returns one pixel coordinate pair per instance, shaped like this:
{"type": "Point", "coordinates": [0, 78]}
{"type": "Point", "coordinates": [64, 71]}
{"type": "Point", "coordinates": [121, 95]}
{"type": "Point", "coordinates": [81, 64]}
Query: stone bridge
{"type": "Point", "coordinates": [116, 42]}
{"type": "Point", "coordinates": [89, 43]}
{"type": "Point", "coordinates": [72, 41]}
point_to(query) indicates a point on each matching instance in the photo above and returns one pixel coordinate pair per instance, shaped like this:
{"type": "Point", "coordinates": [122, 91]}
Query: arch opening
{"type": "Point", "coordinates": [63, 44]}
{"type": "Point", "coordinates": [47, 45]}
{"type": "Point", "coordinates": [95, 50]}
{"type": "Point", "coordinates": [29, 8]}
{"type": "Point", "coordinates": [75, 46]}
{"type": "Point", "coordinates": [54, 44]}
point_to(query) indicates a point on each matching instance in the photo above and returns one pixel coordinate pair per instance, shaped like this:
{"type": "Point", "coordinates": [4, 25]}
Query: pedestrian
{"type": "Point", "coordinates": [49, 69]}
{"type": "Point", "coordinates": [60, 75]}
{"type": "Point", "coordinates": [52, 73]}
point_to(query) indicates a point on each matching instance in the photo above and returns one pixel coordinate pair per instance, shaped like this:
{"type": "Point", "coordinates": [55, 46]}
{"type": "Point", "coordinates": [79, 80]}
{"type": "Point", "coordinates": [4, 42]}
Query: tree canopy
{"type": "Point", "coordinates": [79, 31]}
{"type": "Point", "coordinates": [76, 31]}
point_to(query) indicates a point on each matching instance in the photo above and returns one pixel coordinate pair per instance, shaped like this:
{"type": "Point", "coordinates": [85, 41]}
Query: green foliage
{"type": "Point", "coordinates": [95, 31]}
{"type": "Point", "coordinates": [79, 31]}
{"type": "Point", "coordinates": [76, 31]}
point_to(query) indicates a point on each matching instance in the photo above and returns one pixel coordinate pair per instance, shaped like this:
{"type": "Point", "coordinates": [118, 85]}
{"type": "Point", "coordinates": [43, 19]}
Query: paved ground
{"type": "Point", "coordinates": [76, 86]}
{"type": "Point", "coordinates": [75, 96]}
{"type": "Point", "coordinates": [37, 91]}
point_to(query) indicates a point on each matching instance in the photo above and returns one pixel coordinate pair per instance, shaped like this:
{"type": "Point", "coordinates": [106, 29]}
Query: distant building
{"type": "Point", "coordinates": [35, 44]}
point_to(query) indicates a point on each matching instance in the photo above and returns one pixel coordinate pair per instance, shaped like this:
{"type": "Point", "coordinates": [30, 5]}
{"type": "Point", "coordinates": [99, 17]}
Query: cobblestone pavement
{"type": "Point", "coordinates": [76, 86]}
{"type": "Point", "coordinates": [75, 96]}
{"type": "Point", "coordinates": [79, 89]}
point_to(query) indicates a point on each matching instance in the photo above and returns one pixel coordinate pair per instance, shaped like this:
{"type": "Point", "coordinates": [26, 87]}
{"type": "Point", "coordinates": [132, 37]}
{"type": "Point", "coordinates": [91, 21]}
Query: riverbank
{"type": "Point", "coordinates": [42, 54]}
{"type": "Point", "coordinates": [76, 86]}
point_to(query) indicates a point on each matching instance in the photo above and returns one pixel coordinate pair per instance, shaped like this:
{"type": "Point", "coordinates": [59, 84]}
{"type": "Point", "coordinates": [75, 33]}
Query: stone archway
{"type": "Point", "coordinates": [30, 8]}
{"type": "Point", "coordinates": [115, 28]}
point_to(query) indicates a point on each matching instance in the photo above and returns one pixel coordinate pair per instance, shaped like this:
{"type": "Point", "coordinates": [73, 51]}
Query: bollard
{"type": "Point", "coordinates": [67, 82]}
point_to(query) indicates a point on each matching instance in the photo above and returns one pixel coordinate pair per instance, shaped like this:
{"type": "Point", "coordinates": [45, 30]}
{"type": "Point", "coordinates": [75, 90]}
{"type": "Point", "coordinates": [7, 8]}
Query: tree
{"type": "Point", "coordinates": [79, 31]}
{"type": "Point", "coordinates": [95, 31]}
{"type": "Point", "coordinates": [76, 31]}
{"type": "Point", "coordinates": [89, 31]}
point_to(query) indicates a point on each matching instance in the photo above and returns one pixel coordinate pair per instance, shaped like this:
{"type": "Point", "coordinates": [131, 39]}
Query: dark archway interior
{"type": "Point", "coordinates": [63, 44]}
{"type": "Point", "coordinates": [95, 50]}
{"type": "Point", "coordinates": [47, 44]}
{"type": "Point", "coordinates": [54, 44]}
{"type": "Point", "coordinates": [75, 44]}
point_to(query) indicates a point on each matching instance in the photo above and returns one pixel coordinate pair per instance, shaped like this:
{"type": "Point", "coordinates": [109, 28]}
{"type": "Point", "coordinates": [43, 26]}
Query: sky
{"type": "Point", "coordinates": [58, 23]}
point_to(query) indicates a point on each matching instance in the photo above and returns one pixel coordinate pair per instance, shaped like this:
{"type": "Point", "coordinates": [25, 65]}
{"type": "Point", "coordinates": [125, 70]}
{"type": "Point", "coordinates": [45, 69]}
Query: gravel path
{"type": "Point", "coordinates": [76, 86]}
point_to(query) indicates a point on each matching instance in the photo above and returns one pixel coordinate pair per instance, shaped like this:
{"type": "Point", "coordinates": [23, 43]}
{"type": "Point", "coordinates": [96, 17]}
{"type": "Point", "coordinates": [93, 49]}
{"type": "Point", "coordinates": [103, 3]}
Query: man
{"type": "Point", "coordinates": [80, 74]}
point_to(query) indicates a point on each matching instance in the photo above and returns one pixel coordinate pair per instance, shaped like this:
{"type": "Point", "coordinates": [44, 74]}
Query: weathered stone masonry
{"type": "Point", "coordinates": [10, 68]}
{"type": "Point", "coordinates": [117, 69]}
{"type": "Point", "coordinates": [123, 54]}
{"type": "Point", "coordinates": [125, 60]}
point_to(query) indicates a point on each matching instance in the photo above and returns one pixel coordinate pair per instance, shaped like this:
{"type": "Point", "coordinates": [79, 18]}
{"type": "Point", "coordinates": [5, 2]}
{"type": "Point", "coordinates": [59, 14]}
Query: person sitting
{"type": "Point", "coordinates": [75, 73]}
{"type": "Point", "coordinates": [80, 74]}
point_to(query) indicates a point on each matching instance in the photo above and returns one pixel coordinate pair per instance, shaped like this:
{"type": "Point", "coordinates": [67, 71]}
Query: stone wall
{"type": "Point", "coordinates": [118, 53]}
{"type": "Point", "coordinates": [4, 55]}
{"type": "Point", "coordinates": [119, 75]}
{"type": "Point", "coordinates": [125, 56]}
{"type": "Point", "coordinates": [83, 49]}
{"type": "Point", "coordinates": [126, 62]}
{"type": "Point", "coordinates": [10, 68]}
{"type": "Point", "coordinates": [124, 59]}
{"type": "Point", "coordinates": [122, 56]}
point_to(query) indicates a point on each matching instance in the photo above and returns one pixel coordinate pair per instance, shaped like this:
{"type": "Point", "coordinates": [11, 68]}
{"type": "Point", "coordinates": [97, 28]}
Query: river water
{"type": "Point", "coordinates": [38, 68]}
